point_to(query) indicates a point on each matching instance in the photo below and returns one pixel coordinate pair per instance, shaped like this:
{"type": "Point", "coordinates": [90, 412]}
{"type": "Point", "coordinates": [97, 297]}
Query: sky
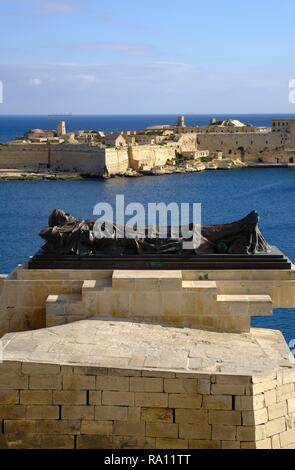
{"type": "Point", "coordinates": [146, 57]}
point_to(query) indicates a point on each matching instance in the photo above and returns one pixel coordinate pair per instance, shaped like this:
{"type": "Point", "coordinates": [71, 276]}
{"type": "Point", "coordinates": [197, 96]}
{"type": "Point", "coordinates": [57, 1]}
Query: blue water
{"type": "Point", "coordinates": [225, 196]}
{"type": "Point", "coordinates": [25, 205]}
{"type": "Point", "coordinates": [15, 126]}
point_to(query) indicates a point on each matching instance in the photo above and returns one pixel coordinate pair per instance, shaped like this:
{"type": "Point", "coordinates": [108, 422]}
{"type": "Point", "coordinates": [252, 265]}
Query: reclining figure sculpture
{"type": "Point", "coordinates": [66, 235]}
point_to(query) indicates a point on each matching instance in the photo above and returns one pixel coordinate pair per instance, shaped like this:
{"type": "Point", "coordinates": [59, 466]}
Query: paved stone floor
{"type": "Point", "coordinates": [119, 344]}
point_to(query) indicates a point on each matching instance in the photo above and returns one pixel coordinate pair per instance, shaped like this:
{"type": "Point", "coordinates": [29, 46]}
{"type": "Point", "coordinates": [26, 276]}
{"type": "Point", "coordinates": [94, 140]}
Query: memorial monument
{"type": "Point", "coordinates": [137, 343]}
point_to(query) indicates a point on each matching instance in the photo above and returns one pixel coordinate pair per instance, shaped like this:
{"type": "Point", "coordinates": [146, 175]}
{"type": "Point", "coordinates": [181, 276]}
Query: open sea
{"type": "Point", "coordinates": [225, 195]}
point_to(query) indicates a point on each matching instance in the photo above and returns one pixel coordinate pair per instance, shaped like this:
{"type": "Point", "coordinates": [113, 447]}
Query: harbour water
{"type": "Point", "coordinates": [15, 126]}
{"type": "Point", "coordinates": [225, 196]}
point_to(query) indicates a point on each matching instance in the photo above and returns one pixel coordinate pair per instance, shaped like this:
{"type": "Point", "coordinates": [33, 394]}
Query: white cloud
{"type": "Point", "coordinates": [35, 81]}
{"type": "Point", "coordinates": [86, 78]}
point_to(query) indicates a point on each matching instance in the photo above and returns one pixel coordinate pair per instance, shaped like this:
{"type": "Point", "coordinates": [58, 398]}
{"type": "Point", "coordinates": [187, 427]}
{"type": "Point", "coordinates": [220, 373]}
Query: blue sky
{"type": "Point", "coordinates": [139, 57]}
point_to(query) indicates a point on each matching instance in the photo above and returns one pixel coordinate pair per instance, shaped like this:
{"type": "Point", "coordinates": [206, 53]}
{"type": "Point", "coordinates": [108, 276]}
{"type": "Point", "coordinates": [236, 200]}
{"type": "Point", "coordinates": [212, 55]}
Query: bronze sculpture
{"type": "Point", "coordinates": [66, 235]}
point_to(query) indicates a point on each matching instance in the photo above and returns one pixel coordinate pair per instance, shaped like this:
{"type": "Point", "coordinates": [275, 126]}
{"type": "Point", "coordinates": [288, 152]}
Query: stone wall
{"type": "Point", "coordinates": [66, 157]}
{"type": "Point", "coordinates": [148, 156]}
{"type": "Point", "coordinates": [53, 406]}
{"type": "Point", "coordinates": [116, 161]}
{"type": "Point", "coordinates": [248, 146]}
{"type": "Point", "coordinates": [23, 156]}
{"type": "Point", "coordinates": [23, 295]}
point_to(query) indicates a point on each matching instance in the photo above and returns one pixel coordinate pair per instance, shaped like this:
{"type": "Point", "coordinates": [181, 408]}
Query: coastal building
{"type": "Point", "coordinates": [115, 140]}
{"type": "Point", "coordinates": [61, 129]}
{"type": "Point", "coordinates": [181, 121]}
{"type": "Point", "coordinates": [93, 152]}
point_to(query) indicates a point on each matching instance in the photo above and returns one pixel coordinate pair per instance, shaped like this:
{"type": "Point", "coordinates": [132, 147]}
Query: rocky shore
{"type": "Point", "coordinates": [188, 167]}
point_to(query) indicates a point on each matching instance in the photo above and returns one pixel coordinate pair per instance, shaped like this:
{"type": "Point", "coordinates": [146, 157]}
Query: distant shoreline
{"type": "Point", "coordinates": [14, 175]}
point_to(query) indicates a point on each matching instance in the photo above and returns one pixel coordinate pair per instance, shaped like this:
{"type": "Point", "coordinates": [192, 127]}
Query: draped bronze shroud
{"type": "Point", "coordinates": [66, 235]}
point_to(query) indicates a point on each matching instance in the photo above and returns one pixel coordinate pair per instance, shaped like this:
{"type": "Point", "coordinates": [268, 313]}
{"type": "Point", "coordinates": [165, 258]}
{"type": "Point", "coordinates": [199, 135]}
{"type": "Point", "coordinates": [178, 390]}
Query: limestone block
{"type": "Point", "coordinates": [228, 418]}
{"type": "Point", "coordinates": [285, 392]}
{"type": "Point", "coordinates": [291, 405]}
{"type": "Point", "coordinates": [10, 368]}
{"type": "Point", "coordinates": [161, 374]}
{"type": "Point", "coordinates": [145, 384]}
{"type": "Point", "coordinates": [230, 445]}
{"type": "Point", "coordinates": [195, 431]}
{"type": "Point", "coordinates": [276, 442]}
{"type": "Point", "coordinates": [95, 398]}
{"type": "Point", "coordinates": [225, 433]}
{"type": "Point", "coordinates": [163, 443]}
{"type": "Point", "coordinates": [157, 415]}
{"type": "Point", "coordinates": [20, 426]}
{"type": "Point", "coordinates": [251, 433]}
{"type": "Point", "coordinates": [227, 389]}
{"type": "Point", "coordinates": [276, 426]}
{"type": "Point", "coordinates": [270, 397]}
{"type": "Point", "coordinates": [187, 386]}
{"type": "Point", "coordinates": [250, 403]}
{"type": "Point", "coordinates": [233, 379]}
{"type": "Point", "coordinates": [77, 397]}
{"type": "Point", "coordinates": [9, 397]}
{"type": "Point", "coordinates": [104, 382]}
{"type": "Point", "coordinates": [118, 398]}
{"type": "Point", "coordinates": [185, 401]}
{"type": "Point", "coordinates": [13, 382]}
{"type": "Point", "coordinates": [12, 412]}
{"type": "Point", "coordinates": [277, 410]}
{"type": "Point", "coordinates": [147, 280]}
{"type": "Point", "coordinates": [263, 387]}
{"type": "Point", "coordinates": [99, 428]}
{"type": "Point", "coordinates": [288, 376]}
{"type": "Point", "coordinates": [94, 442]}
{"type": "Point", "coordinates": [43, 382]}
{"type": "Point", "coordinates": [21, 441]}
{"type": "Point", "coordinates": [254, 418]}
{"type": "Point", "coordinates": [217, 402]}
{"type": "Point", "coordinates": [111, 413]}
{"type": "Point", "coordinates": [56, 442]}
{"type": "Point", "coordinates": [131, 442]}
{"type": "Point", "coordinates": [287, 438]}
{"type": "Point", "coordinates": [128, 429]}
{"type": "Point", "coordinates": [30, 397]}
{"type": "Point", "coordinates": [264, 444]}
{"type": "Point", "coordinates": [42, 412]}
{"type": "Point", "coordinates": [134, 414]}
{"type": "Point", "coordinates": [40, 369]}
{"type": "Point", "coordinates": [204, 444]}
{"type": "Point", "coordinates": [167, 430]}
{"type": "Point", "coordinates": [77, 412]}
{"type": "Point", "coordinates": [191, 416]}
{"type": "Point", "coordinates": [124, 372]}
{"type": "Point", "coordinates": [78, 382]}
{"type": "Point", "coordinates": [51, 427]}
{"type": "Point", "coordinates": [152, 400]}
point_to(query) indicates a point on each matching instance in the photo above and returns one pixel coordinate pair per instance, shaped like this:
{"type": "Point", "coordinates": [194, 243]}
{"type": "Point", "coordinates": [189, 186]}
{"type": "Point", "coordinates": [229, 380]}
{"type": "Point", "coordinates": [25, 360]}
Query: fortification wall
{"type": "Point", "coordinates": [251, 146]}
{"type": "Point", "coordinates": [23, 156]}
{"type": "Point", "coordinates": [78, 158]}
{"type": "Point", "coordinates": [149, 156]}
{"type": "Point", "coordinates": [116, 161]}
{"type": "Point", "coordinates": [66, 157]}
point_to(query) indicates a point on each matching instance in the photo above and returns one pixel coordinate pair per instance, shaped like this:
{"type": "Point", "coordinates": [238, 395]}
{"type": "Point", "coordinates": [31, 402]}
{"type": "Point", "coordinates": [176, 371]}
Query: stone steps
{"type": "Point", "coordinates": [158, 297]}
{"type": "Point", "coordinates": [258, 305]}
{"type": "Point", "coordinates": [62, 309]}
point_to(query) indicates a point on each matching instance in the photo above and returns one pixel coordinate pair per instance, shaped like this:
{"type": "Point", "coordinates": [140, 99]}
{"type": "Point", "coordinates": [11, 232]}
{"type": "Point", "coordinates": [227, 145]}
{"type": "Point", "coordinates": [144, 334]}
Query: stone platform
{"type": "Point", "coordinates": [113, 384]}
{"type": "Point", "coordinates": [273, 260]}
{"type": "Point", "coordinates": [215, 299]}
{"type": "Point", "coordinates": [144, 359]}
